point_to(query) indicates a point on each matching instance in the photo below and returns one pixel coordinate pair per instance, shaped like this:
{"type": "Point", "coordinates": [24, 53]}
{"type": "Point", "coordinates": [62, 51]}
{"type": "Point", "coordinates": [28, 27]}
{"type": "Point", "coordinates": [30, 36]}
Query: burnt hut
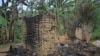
{"type": "Point", "coordinates": [40, 34]}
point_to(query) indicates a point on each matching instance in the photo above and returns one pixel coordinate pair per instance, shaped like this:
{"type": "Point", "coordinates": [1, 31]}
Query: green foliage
{"type": "Point", "coordinates": [18, 32]}
{"type": "Point", "coordinates": [96, 22]}
{"type": "Point", "coordinates": [96, 34]}
{"type": "Point", "coordinates": [61, 29]}
{"type": "Point", "coordinates": [2, 21]}
{"type": "Point", "coordinates": [65, 10]}
{"type": "Point", "coordinates": [2, 46]}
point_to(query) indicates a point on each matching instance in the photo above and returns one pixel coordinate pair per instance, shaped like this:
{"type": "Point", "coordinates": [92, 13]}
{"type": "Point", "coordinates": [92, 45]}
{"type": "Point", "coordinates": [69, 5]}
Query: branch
{"type": "Point", "coordinates": [2, 2]}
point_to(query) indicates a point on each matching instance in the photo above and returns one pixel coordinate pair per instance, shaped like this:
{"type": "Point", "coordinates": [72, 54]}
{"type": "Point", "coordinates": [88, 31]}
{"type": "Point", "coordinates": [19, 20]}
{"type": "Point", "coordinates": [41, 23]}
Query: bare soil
{"type": "Point", "coordinates": [73, 49]}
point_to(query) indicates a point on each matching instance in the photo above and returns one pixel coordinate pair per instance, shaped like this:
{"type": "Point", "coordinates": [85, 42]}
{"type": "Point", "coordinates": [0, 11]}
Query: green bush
{"type": "Point", "coordinates": [96, 22]}
{"type": "Point", "coordinates": [2, 21]}
{"type": "Point", "coordinates": [18, 32]}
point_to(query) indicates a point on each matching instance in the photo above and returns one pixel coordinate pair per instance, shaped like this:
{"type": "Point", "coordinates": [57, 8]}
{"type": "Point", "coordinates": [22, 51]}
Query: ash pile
{"type": "Point", "coordinates": [79, 49]}
{"type": "Point", "coordinates": [17, 51]}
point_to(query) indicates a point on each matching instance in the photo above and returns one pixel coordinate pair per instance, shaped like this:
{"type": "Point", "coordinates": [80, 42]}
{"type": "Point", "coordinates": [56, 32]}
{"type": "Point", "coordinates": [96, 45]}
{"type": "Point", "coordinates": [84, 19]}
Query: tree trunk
{"type": "Point", "coordinates": [7, 33]}
{"type": "Point", "coordinates": [13, 17]}
{"type": "Point", "coordinates": [86, 32]}
{"type": "Point", "coordinates": [71, 33]}
{"type": "Point", "coordinates": [0, 32]}
{"type": "Point", "coordinates": [70, 26]}
{"type": "Point", "coordinates": [83, 32]}
{"type": "Point", "coordinates": [11, 31]}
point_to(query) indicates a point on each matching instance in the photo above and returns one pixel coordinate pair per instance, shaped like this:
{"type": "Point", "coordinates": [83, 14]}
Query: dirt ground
{"type": "Point", "coordinates": [4, 50]}
{"type": "Point", "coordinates": [62, 39]}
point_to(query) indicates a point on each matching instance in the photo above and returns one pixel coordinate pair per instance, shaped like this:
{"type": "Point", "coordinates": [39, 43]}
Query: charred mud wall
{"type": "Point", "coordinates": [40, 34]}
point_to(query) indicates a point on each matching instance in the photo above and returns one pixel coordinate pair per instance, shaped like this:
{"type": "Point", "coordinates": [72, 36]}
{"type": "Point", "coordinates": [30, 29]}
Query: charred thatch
{"type": "Point", "coordinates": [79, 18]}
